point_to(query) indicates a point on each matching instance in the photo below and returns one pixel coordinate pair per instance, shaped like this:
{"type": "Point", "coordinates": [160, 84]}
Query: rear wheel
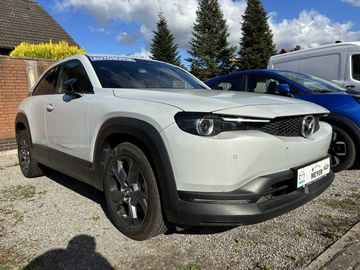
{"type": "Point", "coordinates": [28, 165]}
{"type": "Point", "coordinates": [342, 150]}
{"type": "Point", "coordinates": [131, 193]}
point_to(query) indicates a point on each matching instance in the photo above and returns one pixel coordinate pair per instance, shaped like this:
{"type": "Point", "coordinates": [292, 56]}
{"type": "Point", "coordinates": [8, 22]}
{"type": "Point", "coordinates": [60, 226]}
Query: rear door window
{"type": "Point", "coordinates": [259, 83]}
{"type": "Point", "coordinates": [228, 84]}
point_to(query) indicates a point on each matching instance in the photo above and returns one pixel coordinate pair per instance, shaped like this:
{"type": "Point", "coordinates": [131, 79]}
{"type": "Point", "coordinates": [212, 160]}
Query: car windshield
{"type": "Point", "coordinates": [312, 83]}
{"type": "Point", "coordinates": [122, 72]}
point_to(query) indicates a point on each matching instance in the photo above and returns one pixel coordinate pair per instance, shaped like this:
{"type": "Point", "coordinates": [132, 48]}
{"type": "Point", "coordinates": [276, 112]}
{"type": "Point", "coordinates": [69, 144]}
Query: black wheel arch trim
{"type": "Point", "coordinates": [21, 118]}
{"type": "Point", "coordinates": [151, 139]}
{"type": "Point", "coordinates": [345, 123]}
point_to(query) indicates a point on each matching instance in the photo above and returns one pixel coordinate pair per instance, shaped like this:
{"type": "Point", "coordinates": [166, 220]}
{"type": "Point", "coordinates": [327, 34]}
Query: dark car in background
{"type": "Point", "coordinates": [341, 102]}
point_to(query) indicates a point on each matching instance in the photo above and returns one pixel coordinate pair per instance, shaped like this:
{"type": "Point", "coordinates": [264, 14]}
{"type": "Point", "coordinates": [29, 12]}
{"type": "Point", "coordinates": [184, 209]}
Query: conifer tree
{"type": "Point", "coordinates": [211, 53]}
{"type": "Point", "coordinates": [163, 45]}
{"type": "Point", "coordinates": [256, 45]}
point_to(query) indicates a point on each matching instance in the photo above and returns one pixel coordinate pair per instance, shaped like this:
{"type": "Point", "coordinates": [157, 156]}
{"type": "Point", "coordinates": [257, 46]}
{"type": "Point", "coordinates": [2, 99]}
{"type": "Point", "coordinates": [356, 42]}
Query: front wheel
{"type": "Point", "coordinates": [342, 150]}
{"type": "Point", "coordinates": [132, 194]}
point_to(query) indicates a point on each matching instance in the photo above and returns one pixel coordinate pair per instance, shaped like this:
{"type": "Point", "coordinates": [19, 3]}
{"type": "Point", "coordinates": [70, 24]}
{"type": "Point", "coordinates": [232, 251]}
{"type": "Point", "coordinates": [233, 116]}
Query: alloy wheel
{"type": "Point", "coordinates": [338, 149]}
{"type": "Point", "coordinates": [128, 192]}
{"type": "Point", "coordinates": [24, 154]}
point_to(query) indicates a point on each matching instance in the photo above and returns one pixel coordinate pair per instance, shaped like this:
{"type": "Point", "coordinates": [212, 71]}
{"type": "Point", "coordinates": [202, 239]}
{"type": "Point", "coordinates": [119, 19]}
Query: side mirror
{"type": "Point", "coordinates": [284, 89]}
{"type": "Point", "coordinates": [69, 89]}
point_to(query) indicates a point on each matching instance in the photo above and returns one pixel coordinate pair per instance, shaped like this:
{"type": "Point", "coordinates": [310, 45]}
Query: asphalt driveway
{"type": "Point", "coordinates": [56, 222]}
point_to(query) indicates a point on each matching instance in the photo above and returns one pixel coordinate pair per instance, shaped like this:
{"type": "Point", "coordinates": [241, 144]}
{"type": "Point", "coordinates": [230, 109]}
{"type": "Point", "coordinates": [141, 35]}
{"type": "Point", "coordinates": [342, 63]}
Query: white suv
{"type": "Point", "coordinates": [166, 149]}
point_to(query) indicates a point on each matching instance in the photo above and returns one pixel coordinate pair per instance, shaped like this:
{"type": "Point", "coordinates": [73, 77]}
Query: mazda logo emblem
{"type": "Point", "coordinates": [308, 126]}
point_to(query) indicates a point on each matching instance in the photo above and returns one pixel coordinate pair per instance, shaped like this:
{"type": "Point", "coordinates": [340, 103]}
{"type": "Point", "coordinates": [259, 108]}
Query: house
{"type": "Point", "coordinates": [26, 20]}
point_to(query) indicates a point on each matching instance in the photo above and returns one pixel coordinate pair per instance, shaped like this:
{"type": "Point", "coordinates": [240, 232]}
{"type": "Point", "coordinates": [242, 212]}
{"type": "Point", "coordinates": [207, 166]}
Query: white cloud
{"type": "Point", "coordinates": [308, 30]}
{"type": "Point", "coordinates": [126, 38]}
{"type": "Point", "coordinates": [142, 54]}
{"type": "Point", "coordinates": [355, 3]}
{"type": "Point", "coordinates": [180, 15]}
{"type": "Point", "coordinates": [311, 29]}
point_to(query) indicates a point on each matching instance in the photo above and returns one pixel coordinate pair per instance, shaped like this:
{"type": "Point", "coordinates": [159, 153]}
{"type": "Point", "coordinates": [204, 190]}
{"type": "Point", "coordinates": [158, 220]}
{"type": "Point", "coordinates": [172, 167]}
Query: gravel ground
{"type": "Point", "coordinates": [56, 222]}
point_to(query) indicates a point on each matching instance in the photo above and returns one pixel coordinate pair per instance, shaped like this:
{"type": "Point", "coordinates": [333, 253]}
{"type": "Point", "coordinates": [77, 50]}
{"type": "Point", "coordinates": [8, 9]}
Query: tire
{"type": "Point", "coordinates": [342, 150]}
{"type": "Point", "coordinates": [28, 165]}
{"type": "Point", "coordinates": [131, 193]}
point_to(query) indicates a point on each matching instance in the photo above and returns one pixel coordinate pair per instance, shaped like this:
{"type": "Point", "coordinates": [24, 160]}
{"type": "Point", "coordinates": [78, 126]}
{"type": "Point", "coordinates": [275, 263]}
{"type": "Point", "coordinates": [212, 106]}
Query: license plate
{"type": "Point", "coordinates": [312, 172]}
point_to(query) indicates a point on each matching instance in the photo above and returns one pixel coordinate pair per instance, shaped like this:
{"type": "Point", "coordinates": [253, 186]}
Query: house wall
{"type": "Point", "coordinates": [17, 76]}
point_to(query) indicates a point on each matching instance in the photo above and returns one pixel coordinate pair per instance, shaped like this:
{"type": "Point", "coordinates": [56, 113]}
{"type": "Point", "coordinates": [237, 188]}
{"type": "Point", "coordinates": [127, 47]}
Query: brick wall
{"type": "Point", "coordinates": [16, 77]}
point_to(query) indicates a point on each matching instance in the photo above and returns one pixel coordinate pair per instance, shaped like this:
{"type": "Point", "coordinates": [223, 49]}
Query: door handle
{"type": "Point", "coordinates": [50, 107]}
{"type": "Point", "coordinates": [350, 86]}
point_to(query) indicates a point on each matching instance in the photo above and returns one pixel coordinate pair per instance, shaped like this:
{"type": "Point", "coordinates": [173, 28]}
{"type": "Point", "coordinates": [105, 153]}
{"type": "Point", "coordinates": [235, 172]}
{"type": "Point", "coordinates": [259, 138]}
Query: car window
{"type": "Point", "coordinates": [356, 67]}
{"type": "Point", "coordinates": [47, 85]}
{"type": "Point", "coordinates": [73, 74]}
{"type": "Point", "coordinates": [121, 72]}
{"type": "Point", "coordinates": [312, 83]}
{"type": "Point", "coordinates": [259, 83]}
{"type": "Point", "coordinates": [227, 84]}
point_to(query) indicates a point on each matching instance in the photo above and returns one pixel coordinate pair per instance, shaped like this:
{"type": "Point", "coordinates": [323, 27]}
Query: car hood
{"type": "Point", "coordinates": [221, 102]}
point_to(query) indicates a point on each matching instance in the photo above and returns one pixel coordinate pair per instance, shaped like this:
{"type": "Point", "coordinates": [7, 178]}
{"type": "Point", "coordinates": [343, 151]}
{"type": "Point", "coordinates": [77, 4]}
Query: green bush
{"type": "Point", "coordinates": [53, 51]}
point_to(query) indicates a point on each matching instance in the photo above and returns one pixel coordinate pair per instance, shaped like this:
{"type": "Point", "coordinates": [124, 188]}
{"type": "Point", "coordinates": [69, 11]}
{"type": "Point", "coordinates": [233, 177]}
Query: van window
{"type": "Point", "coordinates": [323, 66]}
{"type": "Point", "coordinates": [356, 67]}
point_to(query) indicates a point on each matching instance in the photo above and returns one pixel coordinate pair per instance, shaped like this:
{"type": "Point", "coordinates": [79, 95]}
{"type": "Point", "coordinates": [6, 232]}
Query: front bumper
{"type": "Point", "coordinates": [263, 198]}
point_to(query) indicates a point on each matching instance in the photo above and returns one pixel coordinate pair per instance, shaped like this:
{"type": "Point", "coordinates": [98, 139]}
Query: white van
{"type": "Point", "coordinates": [339, 62]}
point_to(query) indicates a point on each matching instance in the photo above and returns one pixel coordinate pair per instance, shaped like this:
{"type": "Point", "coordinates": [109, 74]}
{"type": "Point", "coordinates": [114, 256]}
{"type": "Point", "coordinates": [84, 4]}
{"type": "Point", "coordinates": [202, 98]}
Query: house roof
{"type": "Point", "coordinates": [26, 20]}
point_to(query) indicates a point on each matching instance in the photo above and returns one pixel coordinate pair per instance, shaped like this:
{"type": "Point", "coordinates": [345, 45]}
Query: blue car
{"type": "Point", "coordinates": [341, 102]}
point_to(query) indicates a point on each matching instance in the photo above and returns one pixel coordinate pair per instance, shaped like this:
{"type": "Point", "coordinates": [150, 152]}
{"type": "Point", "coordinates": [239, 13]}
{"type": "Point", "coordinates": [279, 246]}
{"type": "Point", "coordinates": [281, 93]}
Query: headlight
{"type": "Point", "coordinates": [205, 124]}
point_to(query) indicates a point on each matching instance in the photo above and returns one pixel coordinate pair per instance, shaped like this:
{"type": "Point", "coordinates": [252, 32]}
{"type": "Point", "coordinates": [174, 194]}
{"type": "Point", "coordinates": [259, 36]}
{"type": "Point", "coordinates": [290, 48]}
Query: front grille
{"type": "Point", "coordinates": [287, 126]}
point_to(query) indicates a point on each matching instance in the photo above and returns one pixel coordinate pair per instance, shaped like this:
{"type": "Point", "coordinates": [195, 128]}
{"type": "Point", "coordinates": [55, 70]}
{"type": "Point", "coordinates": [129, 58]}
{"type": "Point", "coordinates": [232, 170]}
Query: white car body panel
{"type": "Point", "coordinates": [231, 159]}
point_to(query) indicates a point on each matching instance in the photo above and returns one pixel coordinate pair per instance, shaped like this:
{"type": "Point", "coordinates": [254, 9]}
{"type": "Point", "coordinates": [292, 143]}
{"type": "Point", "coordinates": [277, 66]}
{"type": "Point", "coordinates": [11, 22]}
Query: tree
{"type": "Point", "coordinates": [211, 53]}
{"type": "Point", "coordinates": [163, 45]}
{"type": "Point", "coordinates": [256, 45]}
{"type": "Point", "coordinates": [297, 48]}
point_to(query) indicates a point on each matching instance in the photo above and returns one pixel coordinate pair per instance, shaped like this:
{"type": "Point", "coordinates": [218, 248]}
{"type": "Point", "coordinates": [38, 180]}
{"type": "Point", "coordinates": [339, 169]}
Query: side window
{"type": "Point", "coordinates": [47, 84]}
{"type": "Point", "coordinates": [265, 84]}
{"type": "Point", "coordinates": [73, 75]}
{"type": "Point", "coordinates": [228, 84]}
{"type": "Point", "coordinates": [356, 67]}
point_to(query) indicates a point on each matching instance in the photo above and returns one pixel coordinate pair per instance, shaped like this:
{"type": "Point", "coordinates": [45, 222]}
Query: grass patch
{"type": "Point", "coordinates": [264, 266]}
{"type": "Point", "coordinates": [325, 216]}
{"type": "Point", "coordinates": [347, 204]}
{"type": "Point", "coordinates": [192, 266]}
{"type": "Point", "coordinates": [298, 261]}
{"type": "Point", "coordinates": [300, 232]}
{"type": "Point", "coordinates": [240, 241]}
{"type": "Point", "coordinates": [16, 193]}
{"type": "Point", "coordinates": [13, 214]}
{"type": "Point", "coordinates": [94, 218]}
{"type": "Point", "coordinates": [332, 232]}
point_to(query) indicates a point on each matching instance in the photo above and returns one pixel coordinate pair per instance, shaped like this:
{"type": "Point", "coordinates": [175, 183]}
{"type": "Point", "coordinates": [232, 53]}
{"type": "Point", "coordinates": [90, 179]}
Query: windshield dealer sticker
{"type": "Point", "coordinates": [111, 58]}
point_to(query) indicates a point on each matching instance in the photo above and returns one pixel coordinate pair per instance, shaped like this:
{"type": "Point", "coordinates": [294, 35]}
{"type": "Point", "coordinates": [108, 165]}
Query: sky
{"type": "Point", "coordinates": [125, 27]}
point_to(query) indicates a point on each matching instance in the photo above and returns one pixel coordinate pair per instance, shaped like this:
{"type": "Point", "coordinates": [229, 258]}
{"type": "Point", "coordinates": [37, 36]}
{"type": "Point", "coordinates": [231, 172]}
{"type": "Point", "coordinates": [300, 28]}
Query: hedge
{"type": "Point", "coordinates": [53, 51]}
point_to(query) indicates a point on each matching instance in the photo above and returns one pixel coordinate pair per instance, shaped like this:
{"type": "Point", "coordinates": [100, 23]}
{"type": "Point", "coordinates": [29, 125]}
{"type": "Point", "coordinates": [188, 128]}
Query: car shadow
{"type": "Point", "coordinates": [79, 187]}
{"type": "Point", "coordinates": [79, 254]}
{"type": "Point", "coordinates": [99, 198]}
{"type": "Point", "coordinates": [188, 230]}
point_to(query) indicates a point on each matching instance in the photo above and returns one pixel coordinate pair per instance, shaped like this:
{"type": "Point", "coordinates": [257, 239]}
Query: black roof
{"type": "Point", "coordinates": [26, 20]}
